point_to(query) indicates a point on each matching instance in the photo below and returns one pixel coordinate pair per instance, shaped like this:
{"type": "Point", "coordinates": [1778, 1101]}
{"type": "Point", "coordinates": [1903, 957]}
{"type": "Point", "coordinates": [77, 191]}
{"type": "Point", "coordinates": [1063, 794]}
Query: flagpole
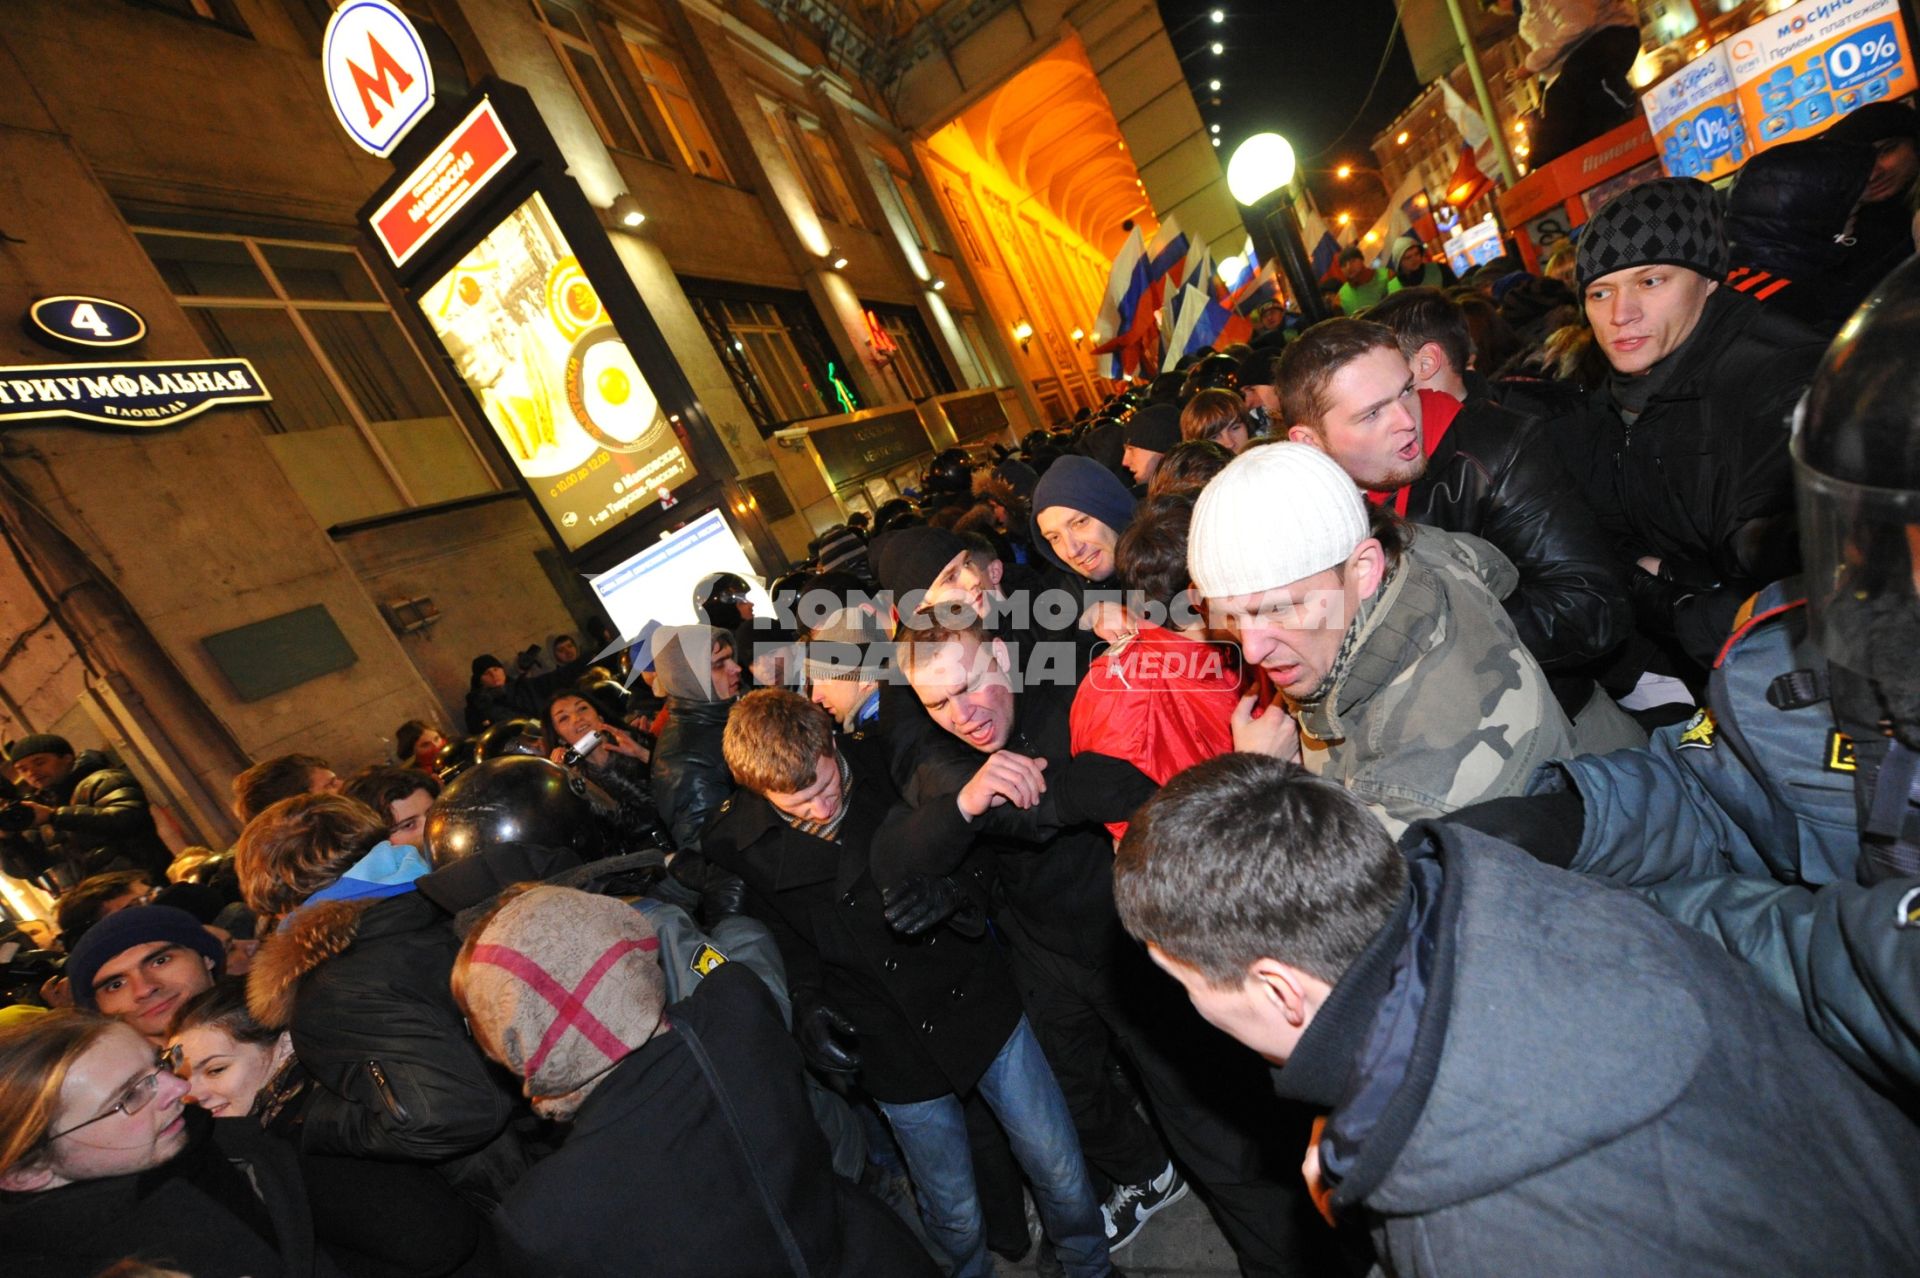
{"type": "Point", "coordinates": [1479, 78]}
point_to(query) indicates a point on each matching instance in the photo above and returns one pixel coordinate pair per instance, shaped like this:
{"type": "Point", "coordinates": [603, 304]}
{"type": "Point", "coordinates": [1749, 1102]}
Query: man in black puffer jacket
{"type": "Point", "coordinates": [1385, 401]}
{"type": "Point", "coordinates": [1684, 458]}
{"type": "Point", "coordinates": [1790, 218]}
{"type": "Point", "coordinates": [89, 817]}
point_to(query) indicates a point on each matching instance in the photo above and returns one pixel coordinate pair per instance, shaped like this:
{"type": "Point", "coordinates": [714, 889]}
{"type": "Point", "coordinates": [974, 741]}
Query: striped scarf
{"type": "Point", "coordinates": [828, 829]}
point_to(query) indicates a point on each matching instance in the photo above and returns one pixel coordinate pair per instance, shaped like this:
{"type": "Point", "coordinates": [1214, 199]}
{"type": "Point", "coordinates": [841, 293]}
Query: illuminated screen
{"type": "Point", "coordinates": [558, 386]}
{"type": "Point", "coordinates": [657, 584]}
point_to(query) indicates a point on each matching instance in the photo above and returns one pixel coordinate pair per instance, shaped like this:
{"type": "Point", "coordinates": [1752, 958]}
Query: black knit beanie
{"type": "Point", "coordinates": [1082, 484]}
{"type": "Point", "coordinates": [911, 558]}
{"type": "Point", "coordinates": [1155, 428]}
{"type": "Point", "coordinates": [1668, 220]}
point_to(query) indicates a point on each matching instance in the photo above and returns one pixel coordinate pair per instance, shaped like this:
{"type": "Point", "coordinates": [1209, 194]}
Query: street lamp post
{"type": "Point", "coordinates": [1258, 174]}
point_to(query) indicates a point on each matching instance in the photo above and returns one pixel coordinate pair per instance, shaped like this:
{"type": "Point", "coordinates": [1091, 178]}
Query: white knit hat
{"type": "Point", "coordinates": [1277, 514]}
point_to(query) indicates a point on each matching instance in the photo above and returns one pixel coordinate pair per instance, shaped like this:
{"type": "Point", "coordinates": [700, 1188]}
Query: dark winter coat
{"type": "Point", "coordinates": [365, 990]}
{"type": "Point", "coordinates": [690, 774]}
{"type": "Point", "coordinates": [679, 1165]}
{"type": "Point", "coordinates": [1495, 475]}
{"type": "Point", "coordinates": [1053, 863]}
{"type": "Point", "coordinates": [932, 1011]}
{"type": "Point", "coordinates": [487, 706]}
{"type": "Point", "coordinates": [354, 1201]}
{"type": "Point", "coordinates": [1586, 1089]}
{"type": "Point", "coordinates": [1701, 479]}
{"type": "Point", "coordinates": [1790, 216]}
{"type": "Point", "coordinates": [231, 1205]}
{"type": "Point", "coordinates": [100, 823]}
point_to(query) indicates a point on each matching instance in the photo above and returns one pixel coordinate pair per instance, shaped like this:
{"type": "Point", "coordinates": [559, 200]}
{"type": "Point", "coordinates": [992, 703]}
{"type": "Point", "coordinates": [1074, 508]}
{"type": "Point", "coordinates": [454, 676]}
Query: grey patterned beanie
{"type": "Point", "coordinates": [1670, 220]}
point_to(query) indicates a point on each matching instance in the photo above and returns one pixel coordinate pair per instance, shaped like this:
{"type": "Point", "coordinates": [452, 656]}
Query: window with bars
{"type": "Point", "coordinates": [356, 420]}
{"type": "Point", "coordinates": [665, 81]}
{"type": "Point", "coordinates": [571, 32]}
{"type": "Point", "coordinates": [916, 366]}
{"type": "Point", "coordinates": [774, 350]}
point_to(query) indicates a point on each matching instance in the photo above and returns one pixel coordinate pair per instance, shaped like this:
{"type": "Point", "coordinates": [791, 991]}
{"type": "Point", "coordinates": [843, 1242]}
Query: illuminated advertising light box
{"type": "Point", "coordinates": [518, 282]}
{"type": "Point", "coordinates": [558, 386]}
{"type": "Point", "coordinates": [657, 584]}
{"type": "Point", "coordinates": [1695, 117]}
{"type": "Point", "coordinates": [1802, 68]}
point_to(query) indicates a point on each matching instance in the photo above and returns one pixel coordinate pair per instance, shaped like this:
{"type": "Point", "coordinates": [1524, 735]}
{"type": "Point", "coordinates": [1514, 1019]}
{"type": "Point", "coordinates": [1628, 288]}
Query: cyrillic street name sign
{"type": "Point", "coordinates": [145, 394]}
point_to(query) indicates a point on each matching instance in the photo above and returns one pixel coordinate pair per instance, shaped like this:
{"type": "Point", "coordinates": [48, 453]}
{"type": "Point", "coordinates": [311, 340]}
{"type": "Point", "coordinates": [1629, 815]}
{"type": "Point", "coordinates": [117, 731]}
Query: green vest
{"type": "Point", "coordinates": [1354, 300]}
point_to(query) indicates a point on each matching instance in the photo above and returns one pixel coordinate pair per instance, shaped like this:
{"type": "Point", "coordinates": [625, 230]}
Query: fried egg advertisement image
{"type": "Point", "coordinates": [559, 387]}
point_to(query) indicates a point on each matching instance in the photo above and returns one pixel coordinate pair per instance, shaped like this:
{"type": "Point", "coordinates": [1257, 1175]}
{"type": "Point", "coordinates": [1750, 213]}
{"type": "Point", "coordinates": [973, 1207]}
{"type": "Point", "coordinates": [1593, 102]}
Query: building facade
{"type": "Point", "coordinates": [906, 216]}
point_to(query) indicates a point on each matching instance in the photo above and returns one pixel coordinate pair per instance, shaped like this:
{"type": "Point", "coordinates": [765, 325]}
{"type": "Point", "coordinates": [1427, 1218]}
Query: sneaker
{"type": "Point", "coordinates": [1130, 1206]}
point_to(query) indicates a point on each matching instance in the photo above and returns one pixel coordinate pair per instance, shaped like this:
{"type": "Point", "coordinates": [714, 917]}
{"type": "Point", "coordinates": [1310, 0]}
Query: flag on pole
{"type": "Point", "coordinates": [1126, 284]}
{"type": "Point", "coordinates": [1472, 125]}
{"type": "Point", "coordinates": [1322, 248]}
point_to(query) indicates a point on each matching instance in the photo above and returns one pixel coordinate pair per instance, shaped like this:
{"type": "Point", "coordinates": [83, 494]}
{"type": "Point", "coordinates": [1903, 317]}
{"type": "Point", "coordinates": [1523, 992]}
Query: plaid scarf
{"type": "Point", "coordinates": [828, 829]}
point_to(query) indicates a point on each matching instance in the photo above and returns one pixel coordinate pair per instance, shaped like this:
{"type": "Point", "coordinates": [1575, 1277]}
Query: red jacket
{"type": "Point", "coordinates": [1160, 701]}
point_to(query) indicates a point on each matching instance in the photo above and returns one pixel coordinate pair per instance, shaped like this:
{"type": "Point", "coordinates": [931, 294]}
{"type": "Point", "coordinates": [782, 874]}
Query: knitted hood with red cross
{"type": "Point", "coordinates": [560, 986]}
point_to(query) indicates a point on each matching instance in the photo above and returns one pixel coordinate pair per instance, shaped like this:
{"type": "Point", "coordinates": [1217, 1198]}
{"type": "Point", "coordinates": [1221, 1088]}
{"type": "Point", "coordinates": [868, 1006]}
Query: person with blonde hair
{"type": "Point", "coordinates": [100, 1158]}
{"type": "Point", "coordinates": [902, 991]}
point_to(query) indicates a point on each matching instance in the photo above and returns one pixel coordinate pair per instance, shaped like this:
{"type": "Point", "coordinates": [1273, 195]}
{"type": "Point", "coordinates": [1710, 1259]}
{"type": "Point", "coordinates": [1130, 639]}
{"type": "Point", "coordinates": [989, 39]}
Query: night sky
{"type": "Point", "coordinates": [1299, 68]}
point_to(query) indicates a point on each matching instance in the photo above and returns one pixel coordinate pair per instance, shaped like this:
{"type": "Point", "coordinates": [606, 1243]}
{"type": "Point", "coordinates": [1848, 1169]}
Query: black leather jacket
{"type": "Point", "coordinates": [1495, 476]}
{"type": "Point", "coordinates": [100, 823]}
{"type": "Point", "coordinates": [690, 774]}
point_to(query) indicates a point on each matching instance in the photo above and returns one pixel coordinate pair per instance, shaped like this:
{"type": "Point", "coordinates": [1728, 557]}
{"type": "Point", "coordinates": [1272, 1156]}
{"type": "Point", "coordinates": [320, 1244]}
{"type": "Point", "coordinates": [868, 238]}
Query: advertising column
{"type": "Point", "coordinates": [1802, 68]}
{"type": "Point", "coordinates": [519, 284]}
{"type": "Point", "coordinates": [1695, 119]}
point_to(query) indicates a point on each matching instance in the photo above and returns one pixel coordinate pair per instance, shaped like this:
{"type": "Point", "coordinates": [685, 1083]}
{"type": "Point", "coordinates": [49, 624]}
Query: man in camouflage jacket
{"type": "Point", "coordinates": [1401, 675]}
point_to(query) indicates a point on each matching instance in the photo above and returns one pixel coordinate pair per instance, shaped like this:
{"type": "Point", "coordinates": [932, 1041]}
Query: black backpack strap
{"type": "Point", "coordinates": [788, 1242]}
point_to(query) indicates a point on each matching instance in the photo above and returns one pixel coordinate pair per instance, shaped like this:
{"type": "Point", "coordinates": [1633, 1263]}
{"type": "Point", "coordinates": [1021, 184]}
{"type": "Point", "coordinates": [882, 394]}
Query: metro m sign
{"type": "Point", "coordinates": [377, 75]}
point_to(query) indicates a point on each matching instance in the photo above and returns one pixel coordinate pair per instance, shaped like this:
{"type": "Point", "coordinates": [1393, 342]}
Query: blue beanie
{"type": "Point", "coordinates": [124, 929]}
{"type": "Point", "coordinates": [1082, 484]}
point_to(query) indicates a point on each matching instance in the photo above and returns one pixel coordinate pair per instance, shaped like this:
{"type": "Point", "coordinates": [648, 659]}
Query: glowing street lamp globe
{"type": "Point", "coordinates": [1259, 166]}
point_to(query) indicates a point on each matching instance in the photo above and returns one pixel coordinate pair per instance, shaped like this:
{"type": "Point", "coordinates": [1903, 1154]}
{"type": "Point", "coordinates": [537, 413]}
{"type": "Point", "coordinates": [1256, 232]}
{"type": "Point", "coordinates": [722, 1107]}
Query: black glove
{"type": "Point", "coordinates": [819, 1029]}
{"type": "Point", "coordinates": [1546, 826]}
{"type": "Point", "coordinates": [921, 902]}
{"type": "Point", "coordinates": [722, 893]}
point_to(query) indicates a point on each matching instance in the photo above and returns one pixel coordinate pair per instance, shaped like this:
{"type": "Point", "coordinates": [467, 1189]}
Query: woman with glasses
{"type": "Point", "coordinates": [101, 1158]}
{"type": "Point", "coordinates": [236, 1069]}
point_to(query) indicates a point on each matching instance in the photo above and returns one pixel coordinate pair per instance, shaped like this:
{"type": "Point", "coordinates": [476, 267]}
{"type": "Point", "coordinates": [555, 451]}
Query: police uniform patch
{"type": "Point", "coordinates": [1908, 914]}
{"type": "Point", "coordinates": [705, 959]}
{"type": "Point", "coordinates": [1698, 734]}
{"type": "Point", "coordinates": [1840, 752]}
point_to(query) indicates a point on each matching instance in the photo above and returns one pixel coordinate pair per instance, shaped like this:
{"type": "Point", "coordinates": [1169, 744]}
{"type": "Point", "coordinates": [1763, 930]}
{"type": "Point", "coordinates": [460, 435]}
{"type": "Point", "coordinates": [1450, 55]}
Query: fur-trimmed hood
{"type": "Point", "coordinates": [455, 894]}
{"type": "Point", "coordinates": [298, 946]}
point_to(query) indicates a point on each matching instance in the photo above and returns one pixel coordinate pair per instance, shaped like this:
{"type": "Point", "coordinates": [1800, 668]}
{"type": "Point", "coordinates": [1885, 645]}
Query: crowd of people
{"type": "Point", "coordinates": [1446, 817]}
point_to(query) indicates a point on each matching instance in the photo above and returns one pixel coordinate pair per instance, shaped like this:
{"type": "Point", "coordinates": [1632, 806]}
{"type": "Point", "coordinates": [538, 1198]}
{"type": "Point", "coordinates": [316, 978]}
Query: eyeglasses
{"type": "Point", "coordinates": [134, 1097]}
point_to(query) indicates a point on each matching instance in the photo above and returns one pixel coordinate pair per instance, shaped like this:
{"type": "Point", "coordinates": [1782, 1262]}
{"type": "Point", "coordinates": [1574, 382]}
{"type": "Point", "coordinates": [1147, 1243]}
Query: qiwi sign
{"type": "Point", "coordinates": [377, 75]}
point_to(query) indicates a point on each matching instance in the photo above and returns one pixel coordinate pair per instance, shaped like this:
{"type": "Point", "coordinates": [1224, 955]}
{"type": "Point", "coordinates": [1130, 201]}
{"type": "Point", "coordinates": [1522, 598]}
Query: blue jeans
{"type": "Point", "coordinates": [1023, 1095]}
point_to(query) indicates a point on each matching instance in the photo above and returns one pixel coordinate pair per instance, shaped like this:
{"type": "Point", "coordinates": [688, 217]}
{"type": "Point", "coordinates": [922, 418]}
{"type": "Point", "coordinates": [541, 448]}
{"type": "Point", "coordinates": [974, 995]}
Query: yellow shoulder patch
{"type": "Point", "coordinates": [705, 959]}
{"type": "Point", "coordinates": [1698, 734]}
